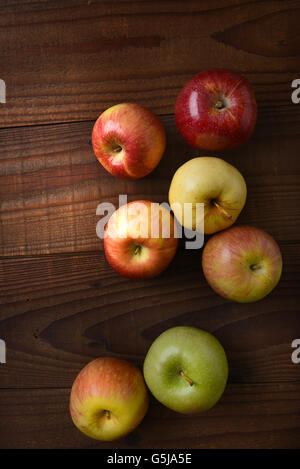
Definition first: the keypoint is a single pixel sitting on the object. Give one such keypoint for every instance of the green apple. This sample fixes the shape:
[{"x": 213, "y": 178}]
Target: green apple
[
  {"x": 186, "y": 369},
  {"x": 210, "y": 181}
]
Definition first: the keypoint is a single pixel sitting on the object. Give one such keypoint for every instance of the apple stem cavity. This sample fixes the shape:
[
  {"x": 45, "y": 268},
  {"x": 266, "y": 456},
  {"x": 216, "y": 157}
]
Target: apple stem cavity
[
  {"x": 222, "y": 210},
  {"x": 219, "y": 105},
  {"x": 186, "y": 378},
  {"x": 117, "y": 148}
]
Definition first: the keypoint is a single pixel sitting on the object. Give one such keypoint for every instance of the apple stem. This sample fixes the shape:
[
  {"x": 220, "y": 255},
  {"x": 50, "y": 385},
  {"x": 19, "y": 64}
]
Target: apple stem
[
  {"x": 222, "y": 210},
  {"x": 186, "y": 378},
  {"x": 255, "y": 267},
  {"x": 137, "y": 250},
  {"x": 107, "y": 414}
]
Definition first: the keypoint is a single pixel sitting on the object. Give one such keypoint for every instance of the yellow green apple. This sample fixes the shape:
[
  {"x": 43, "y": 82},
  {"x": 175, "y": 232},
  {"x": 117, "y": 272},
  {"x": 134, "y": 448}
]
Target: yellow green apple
[
  {"x": 210, "y": 181},
  {"x": 186, "y": 369},
  {"x": 108, "y": 399}
]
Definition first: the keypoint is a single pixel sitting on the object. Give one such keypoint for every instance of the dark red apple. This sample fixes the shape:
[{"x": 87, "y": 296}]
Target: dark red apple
[{"x": 216, "y": 110}]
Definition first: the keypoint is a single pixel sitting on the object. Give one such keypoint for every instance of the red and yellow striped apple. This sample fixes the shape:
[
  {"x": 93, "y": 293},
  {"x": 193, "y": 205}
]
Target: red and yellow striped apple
[
  {"x": 242, "y": 263},
  {"x": 108, "y": 399},
  {"x": 129, "y": 140},
  {"x": 140, "y": 239},
  {"x": 216, "y": 110},
  {"x": 213, "y": 182}
]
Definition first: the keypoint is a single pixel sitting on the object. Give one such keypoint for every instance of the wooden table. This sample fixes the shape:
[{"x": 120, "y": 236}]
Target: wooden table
[{"x": 63, "y": 63}]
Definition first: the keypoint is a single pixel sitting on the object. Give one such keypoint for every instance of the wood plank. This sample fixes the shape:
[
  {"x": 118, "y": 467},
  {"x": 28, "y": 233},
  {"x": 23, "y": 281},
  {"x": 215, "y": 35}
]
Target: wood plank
[
  {"x": 58, "y": 312},
  {"x": 248, "y": 416},
  {"x": 51, "y": 184},
  {"x": 64, "y": 61},
  {"x": 68, "y": 60}
]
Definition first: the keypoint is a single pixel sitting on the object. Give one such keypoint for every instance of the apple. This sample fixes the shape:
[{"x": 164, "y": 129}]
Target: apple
[
  {"x": 128, "y": 140},
  {"x": 140, "y": 239},
  {"x": 242, "y": 264},
  {"x": 186, "y": 369},
  {"x": 212, "y": 182},
  {"x": 108, "y": 399},
  {"x": 216, "y": 110}
]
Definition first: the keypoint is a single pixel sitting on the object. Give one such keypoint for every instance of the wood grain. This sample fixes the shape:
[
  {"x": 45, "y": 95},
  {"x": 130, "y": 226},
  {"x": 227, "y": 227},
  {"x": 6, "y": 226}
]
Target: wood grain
[
  {"x": 68, "y": 60},
  {"x": 61, "y": 305},
  {"x": 51, "y": 185},
  {"x": 255, "y": 416},
  {"x": 59, "y": 312}
]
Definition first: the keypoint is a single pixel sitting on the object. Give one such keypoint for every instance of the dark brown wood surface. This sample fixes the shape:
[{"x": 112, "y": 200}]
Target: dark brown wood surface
[{"x": 61, "y": 305}]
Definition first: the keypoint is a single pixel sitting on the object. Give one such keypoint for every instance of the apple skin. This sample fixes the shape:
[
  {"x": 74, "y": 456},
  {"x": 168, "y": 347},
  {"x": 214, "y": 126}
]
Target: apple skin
[
  {"x": 129, "y": 247},
  {"x": 108, "y": 399},
  {"x": 242, "y": 264},
  {"x": 197, "y": 354},
  {"x": 213, "y": 182},
  {"x": 129, "y": 140},
  {"x": 205, "y": 125}
]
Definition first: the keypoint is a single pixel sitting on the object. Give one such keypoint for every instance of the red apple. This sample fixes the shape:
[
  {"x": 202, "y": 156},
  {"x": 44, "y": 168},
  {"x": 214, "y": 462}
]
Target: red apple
[
  {"x": 242, "y": 263},
  {"x": 128, "y": 140},
  {"x": 140, "y": 239},
  {"x": 216, "y": 110},
  {"x": 108, "y": 399}
]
